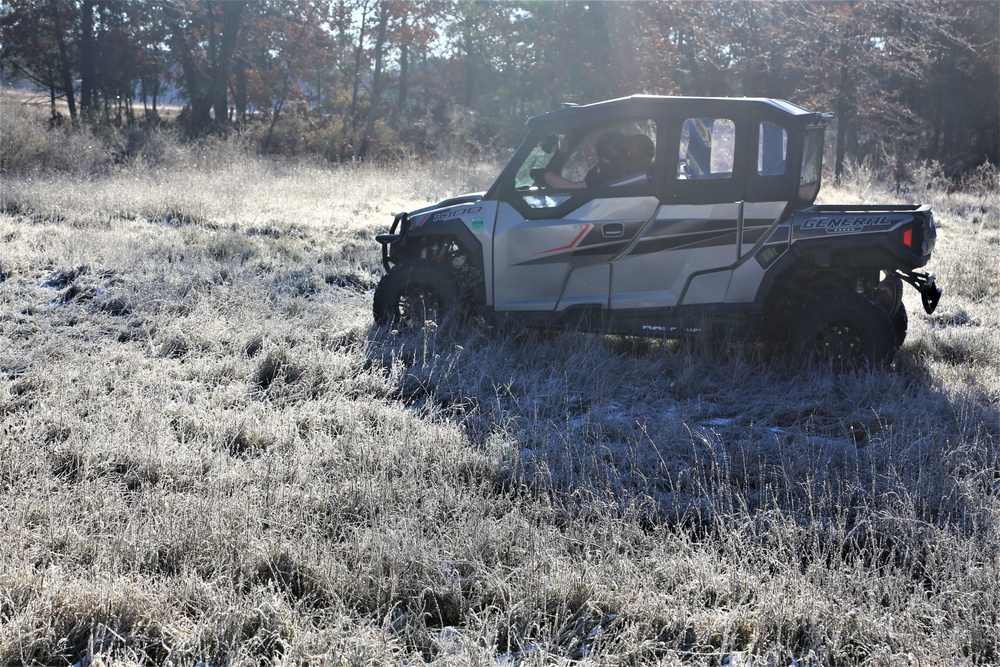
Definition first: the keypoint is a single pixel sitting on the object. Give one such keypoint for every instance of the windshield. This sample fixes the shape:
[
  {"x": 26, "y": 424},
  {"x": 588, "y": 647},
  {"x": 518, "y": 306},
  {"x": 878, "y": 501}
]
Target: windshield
[{"x": 538, "y": 158}]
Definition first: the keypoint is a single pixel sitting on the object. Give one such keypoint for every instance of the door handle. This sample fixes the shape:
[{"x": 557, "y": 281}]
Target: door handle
[{"x": 613, "y": 230}]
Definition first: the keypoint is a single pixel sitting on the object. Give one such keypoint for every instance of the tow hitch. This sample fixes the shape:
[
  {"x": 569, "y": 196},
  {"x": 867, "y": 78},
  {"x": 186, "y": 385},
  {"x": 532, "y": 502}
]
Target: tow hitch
[{"x": 930, "y": 293}]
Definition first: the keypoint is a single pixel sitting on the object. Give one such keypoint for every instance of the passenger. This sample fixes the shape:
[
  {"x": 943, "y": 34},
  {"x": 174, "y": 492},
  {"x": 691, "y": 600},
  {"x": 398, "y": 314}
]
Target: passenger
[{"x": 640, "y": 152}]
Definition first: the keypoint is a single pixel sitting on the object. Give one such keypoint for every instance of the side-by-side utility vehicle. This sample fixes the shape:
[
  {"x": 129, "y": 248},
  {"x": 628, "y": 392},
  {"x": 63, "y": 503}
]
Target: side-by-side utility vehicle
[{"x": 668, "y": 216}]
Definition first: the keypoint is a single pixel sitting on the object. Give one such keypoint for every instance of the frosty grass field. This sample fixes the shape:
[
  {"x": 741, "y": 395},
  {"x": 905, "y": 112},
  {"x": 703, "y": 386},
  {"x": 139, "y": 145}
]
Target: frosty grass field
[{"x": 209, "y": 455}]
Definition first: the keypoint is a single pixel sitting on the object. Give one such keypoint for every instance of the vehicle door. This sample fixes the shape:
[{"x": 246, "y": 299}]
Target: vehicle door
[
  {"x": 686, "y": 255},
  {"x": 553, "y": 242},
  {"x": 771, "y": 185}
]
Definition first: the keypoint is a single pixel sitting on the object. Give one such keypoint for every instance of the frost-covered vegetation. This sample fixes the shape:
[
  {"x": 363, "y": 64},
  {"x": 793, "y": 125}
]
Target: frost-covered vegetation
[{"x": 209, "y": 454}]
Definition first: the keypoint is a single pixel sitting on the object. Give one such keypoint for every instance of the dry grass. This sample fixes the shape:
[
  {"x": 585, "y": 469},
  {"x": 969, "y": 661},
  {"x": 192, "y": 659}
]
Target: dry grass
[{"x": 210, "y": 456}]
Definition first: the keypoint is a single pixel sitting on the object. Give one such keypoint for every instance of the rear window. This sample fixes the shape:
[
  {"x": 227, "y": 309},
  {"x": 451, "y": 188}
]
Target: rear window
[{"x": 812, "y": 157}]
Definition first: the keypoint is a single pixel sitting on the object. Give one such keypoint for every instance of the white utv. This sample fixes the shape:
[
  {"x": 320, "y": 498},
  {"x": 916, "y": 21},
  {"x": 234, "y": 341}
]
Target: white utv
[{"x": 668, "y": 216}]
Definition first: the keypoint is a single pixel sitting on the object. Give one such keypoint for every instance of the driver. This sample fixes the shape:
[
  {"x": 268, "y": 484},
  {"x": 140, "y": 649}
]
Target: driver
[{"x": 612, "y": 163}]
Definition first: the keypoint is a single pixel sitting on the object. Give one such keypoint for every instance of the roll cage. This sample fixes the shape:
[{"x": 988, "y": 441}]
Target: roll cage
[{"x": 798, "y": 183}]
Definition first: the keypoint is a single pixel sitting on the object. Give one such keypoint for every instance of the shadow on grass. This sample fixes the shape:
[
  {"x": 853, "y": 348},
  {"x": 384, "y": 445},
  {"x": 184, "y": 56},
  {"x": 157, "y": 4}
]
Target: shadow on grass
[{"x": 703, "y": 434}]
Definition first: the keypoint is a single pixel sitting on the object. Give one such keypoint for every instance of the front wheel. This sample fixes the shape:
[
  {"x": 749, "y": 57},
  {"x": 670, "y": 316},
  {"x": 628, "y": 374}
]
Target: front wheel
[
  {"x": 415, "y": 292},
  {"x": 845, "y": 330}
]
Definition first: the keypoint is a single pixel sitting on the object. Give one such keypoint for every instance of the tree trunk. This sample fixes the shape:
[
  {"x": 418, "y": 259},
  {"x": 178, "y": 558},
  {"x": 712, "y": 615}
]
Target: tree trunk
[
  {"x": 53, "y": 112},
  {"x": 356, "y": 77},
  {"x": 200, "y": 117},
  {"x": 471, "y": 61},
  {"x": 65, "y": 72},
  {"x": 842, "y": 123},
  {"x": 88, "y": 59},
  {"x": 845, "y": 107},
  {"x": 208, "y": 92},
  {"x": 276, "y": 112},
  {"x": 240, "y": 94},
  {"x": 404, "y": 75},
  {"x": 383, "y": 22},
  {"x": 232, "y": 16}
]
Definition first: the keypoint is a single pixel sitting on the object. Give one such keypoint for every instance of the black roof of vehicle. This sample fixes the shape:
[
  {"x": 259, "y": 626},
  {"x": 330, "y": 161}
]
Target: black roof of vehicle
[{"x": 650, "y": 102}]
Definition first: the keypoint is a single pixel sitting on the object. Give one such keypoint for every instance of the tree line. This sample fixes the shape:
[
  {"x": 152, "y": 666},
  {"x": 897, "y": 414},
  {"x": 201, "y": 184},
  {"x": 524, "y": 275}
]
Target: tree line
[{"x": 908, "y": 79}]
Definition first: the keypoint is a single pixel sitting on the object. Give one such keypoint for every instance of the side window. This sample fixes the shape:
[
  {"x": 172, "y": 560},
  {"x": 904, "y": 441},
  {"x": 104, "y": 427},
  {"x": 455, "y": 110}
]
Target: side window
[
  {"x": 772, "y": 149},
  {"x": 707, "y": 148}
]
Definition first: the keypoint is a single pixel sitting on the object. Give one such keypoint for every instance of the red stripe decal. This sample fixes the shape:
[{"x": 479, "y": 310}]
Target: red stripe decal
[{"x": 586, "y": 228}]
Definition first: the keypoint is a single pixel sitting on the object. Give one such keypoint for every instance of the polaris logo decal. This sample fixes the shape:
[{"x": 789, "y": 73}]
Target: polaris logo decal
[
  {"x": 845, "y": 224},
  {"x": 450, "y": 214},
  {"x": 656, "y": 328}
]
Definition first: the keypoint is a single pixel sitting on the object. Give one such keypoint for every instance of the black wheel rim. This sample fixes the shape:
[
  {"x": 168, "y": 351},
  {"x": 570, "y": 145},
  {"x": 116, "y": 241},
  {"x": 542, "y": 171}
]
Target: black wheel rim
[
  {"x": 841, "y": 342},
  {"x": 416, "y": 305}
]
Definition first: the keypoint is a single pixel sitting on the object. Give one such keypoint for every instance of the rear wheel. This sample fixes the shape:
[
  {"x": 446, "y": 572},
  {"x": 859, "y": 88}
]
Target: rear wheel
[
  {"x": 845, "y": 330},
  {"x": 415, "y": 292},
  {"x": 900, "y": 322}
]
